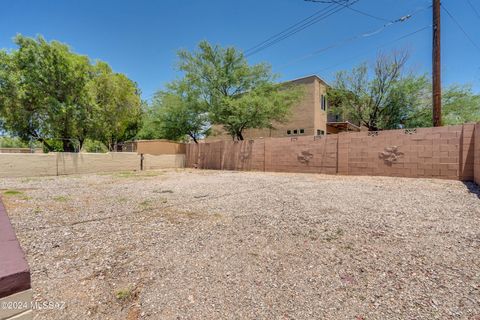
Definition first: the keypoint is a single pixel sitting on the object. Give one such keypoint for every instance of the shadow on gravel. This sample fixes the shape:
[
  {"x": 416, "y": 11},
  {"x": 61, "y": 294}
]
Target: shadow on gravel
[{"x": 473, "y": 188}]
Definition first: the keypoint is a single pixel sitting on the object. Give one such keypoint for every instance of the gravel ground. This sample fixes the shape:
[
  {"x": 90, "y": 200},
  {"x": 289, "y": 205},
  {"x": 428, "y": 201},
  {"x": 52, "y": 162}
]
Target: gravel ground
[{"x": 191, "y": 244}]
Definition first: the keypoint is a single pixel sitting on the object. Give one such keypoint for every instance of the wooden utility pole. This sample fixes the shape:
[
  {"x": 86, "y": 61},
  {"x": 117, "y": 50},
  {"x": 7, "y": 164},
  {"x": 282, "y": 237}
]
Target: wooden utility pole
[{"x": 436, "y": 65}]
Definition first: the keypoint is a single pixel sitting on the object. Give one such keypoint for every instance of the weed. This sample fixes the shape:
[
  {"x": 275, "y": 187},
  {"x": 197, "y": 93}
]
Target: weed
[
  {"x": 123, "y": 294},
  {"x": 163, "y": 191},
  {"x": 61, "y": 198},
  {"x": 12, "y": 193}
]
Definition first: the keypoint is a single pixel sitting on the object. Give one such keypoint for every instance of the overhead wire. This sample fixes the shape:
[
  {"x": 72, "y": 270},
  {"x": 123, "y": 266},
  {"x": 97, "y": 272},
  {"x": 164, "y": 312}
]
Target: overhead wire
[
  {"x": 356, "y": 37},
  {"x": 461, "y": 28},
  {"x": 300, "y": 26}
]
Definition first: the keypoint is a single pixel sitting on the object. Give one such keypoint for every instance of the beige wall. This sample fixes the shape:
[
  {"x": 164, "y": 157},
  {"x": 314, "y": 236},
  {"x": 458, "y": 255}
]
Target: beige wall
[
  {"x": 158, "y": 147},
  {"x": 51, "y": 164},
  {"x": 28, "y": 164},
  {"x": 306, "y": 114},
  {"x": 75, "y": 163},
  {"x": 151, "y": 162}
]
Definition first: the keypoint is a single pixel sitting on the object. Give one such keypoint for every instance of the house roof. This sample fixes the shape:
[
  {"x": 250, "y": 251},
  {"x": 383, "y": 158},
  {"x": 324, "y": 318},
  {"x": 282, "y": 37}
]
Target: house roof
[{"x": 307, "y": 77}]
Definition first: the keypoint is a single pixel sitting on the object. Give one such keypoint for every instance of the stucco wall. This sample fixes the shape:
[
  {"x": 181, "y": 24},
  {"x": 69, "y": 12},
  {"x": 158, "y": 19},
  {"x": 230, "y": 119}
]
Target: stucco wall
[
  {"x": 51, "y": 164},
  {"x": 151, "y": 162},
  {"x": 24, "y": 165},
  {"x": 159, "y": 147}
]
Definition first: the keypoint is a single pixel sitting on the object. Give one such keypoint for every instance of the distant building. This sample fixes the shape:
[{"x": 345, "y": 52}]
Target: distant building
[{"x": 309, "y": 117}]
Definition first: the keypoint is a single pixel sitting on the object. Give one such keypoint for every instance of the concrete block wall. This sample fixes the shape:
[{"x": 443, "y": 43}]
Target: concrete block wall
[
  {"x": 442, "y": 152},
  {"x": 302, "y": 154},
  {"x": 477, "y": 153},
  {"x": 423, "y": 152}
]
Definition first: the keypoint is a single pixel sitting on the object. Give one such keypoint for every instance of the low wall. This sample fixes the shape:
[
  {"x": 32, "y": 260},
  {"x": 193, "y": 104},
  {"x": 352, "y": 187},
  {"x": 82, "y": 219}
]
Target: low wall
[
  {"x": 52, "y": 164},
  {"x": 164, "y": 161},
  {"x": 442, "y": 152},
  {"x": 477, "y": 154},
  {"x": 28, "y": 164},
  {"x": 15, "y": 287},
  {"x": 76, "y": 163},
  {"x": 159, "y": 147}
]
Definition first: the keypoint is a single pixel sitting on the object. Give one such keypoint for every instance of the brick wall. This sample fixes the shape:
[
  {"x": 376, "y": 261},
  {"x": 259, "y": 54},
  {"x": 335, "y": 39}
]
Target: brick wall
[{"x": 444, "y": 152}]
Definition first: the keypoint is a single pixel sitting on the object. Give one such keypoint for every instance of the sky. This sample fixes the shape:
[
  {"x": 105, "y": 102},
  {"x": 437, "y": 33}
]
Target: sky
[{"x": 141, "y": 38}]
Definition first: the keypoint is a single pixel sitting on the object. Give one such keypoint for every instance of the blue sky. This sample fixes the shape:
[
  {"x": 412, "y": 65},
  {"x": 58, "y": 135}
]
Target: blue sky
[{"x": 140, "y": 38}]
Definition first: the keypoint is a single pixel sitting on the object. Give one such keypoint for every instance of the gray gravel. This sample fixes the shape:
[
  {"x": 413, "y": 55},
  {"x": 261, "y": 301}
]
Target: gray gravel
[{"x": 191, "y": 244}]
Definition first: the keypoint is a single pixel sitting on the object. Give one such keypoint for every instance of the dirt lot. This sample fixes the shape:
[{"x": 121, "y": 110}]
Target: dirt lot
[{"x": 205, "y": 244}]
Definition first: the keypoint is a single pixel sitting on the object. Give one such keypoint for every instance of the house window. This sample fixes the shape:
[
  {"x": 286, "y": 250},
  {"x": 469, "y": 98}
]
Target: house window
[
  {"x": 320, "y": 132},
  {"x": 289, "y": 132},
  {"x": 323, "y": 101},
  {"x": 302, "y": 131},
  {"x": 295, "y": 131}
]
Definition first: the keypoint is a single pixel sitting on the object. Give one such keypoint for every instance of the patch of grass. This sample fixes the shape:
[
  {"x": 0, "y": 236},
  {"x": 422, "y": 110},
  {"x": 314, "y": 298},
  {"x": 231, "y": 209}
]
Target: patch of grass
[
  {"x": 124, "y": 174},
  {"x": 12, "y": 192},
  {"x": 163, "y": 191},
  {"x": 61, "y": 198},
  {"x": 37, "y": 210},
  {"x": 123, "y": 294},
  {"x": 145, "y": 203}
]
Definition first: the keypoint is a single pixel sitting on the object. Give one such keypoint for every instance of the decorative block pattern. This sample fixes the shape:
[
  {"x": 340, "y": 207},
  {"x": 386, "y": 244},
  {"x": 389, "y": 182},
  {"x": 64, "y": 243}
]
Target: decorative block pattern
[{"x": 442, "y": 152}]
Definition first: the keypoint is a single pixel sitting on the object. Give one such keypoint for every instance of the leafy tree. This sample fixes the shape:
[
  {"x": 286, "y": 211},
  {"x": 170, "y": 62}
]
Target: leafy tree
[
  {"x": 459, "y": 105},
  {"x": 42, "y": 92},
  {"x": 177, "y": 113},
  {"x": 118, "y": 106},
  {"x": 373, "y": 101},
  {"x": 52, "y": 95},
  {"x": 237, "y": 96}
]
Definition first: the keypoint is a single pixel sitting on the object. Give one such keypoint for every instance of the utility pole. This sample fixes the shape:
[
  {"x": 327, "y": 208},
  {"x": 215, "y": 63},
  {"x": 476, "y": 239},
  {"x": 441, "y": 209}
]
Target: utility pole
[{"x": 436, "y": 66}]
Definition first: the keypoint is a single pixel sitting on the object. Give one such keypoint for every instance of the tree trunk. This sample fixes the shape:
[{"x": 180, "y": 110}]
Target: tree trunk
[
  {"x": 68, "y": 146},
  {"x": 240, "y": 136},
  {"x": 194, "y": 139}
]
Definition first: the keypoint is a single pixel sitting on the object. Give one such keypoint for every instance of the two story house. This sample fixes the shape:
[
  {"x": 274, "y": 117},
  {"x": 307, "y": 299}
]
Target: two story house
[{"x": 309, "y": 116}]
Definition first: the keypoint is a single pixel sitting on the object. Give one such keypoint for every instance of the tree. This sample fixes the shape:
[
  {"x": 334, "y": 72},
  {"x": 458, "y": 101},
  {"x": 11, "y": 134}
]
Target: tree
[
  {"x": 237, "y": 96},
  {"x": 118, "y": 106},
  {"x": 42, "y": 92},
  {"x": 176, "y": 113},
  {"x": 377, "y": 102},
  {"x": 459, "y": 105},
  {"x": 52, "y": 95}
]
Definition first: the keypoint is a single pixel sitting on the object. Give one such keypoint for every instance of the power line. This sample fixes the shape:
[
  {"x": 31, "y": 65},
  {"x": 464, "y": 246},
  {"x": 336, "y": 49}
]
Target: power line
[
  {"x": 321, "y": 11},
  {"x": 294, "y": 30},
  {"x": 460, "y": 27},
  {"x": 376, "y": 48},
  {"x": 350, "y": 8},
  {"x": 359, "y": 36},
  {"x": 474, "y": 9},
  {"x": 324, "y": 14}
]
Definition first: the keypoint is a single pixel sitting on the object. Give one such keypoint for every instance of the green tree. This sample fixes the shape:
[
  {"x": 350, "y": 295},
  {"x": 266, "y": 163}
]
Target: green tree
[
  {"x": 177, "y": 113},
  {"x": 237, "y": 96},
  {"x": 118, "y": 106},
  {"x": 459, "y": 105},
  {"x": 374, "y": 99},
  {"x": 52, "y": 95},
  {"x": 42, "y": 92}
]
